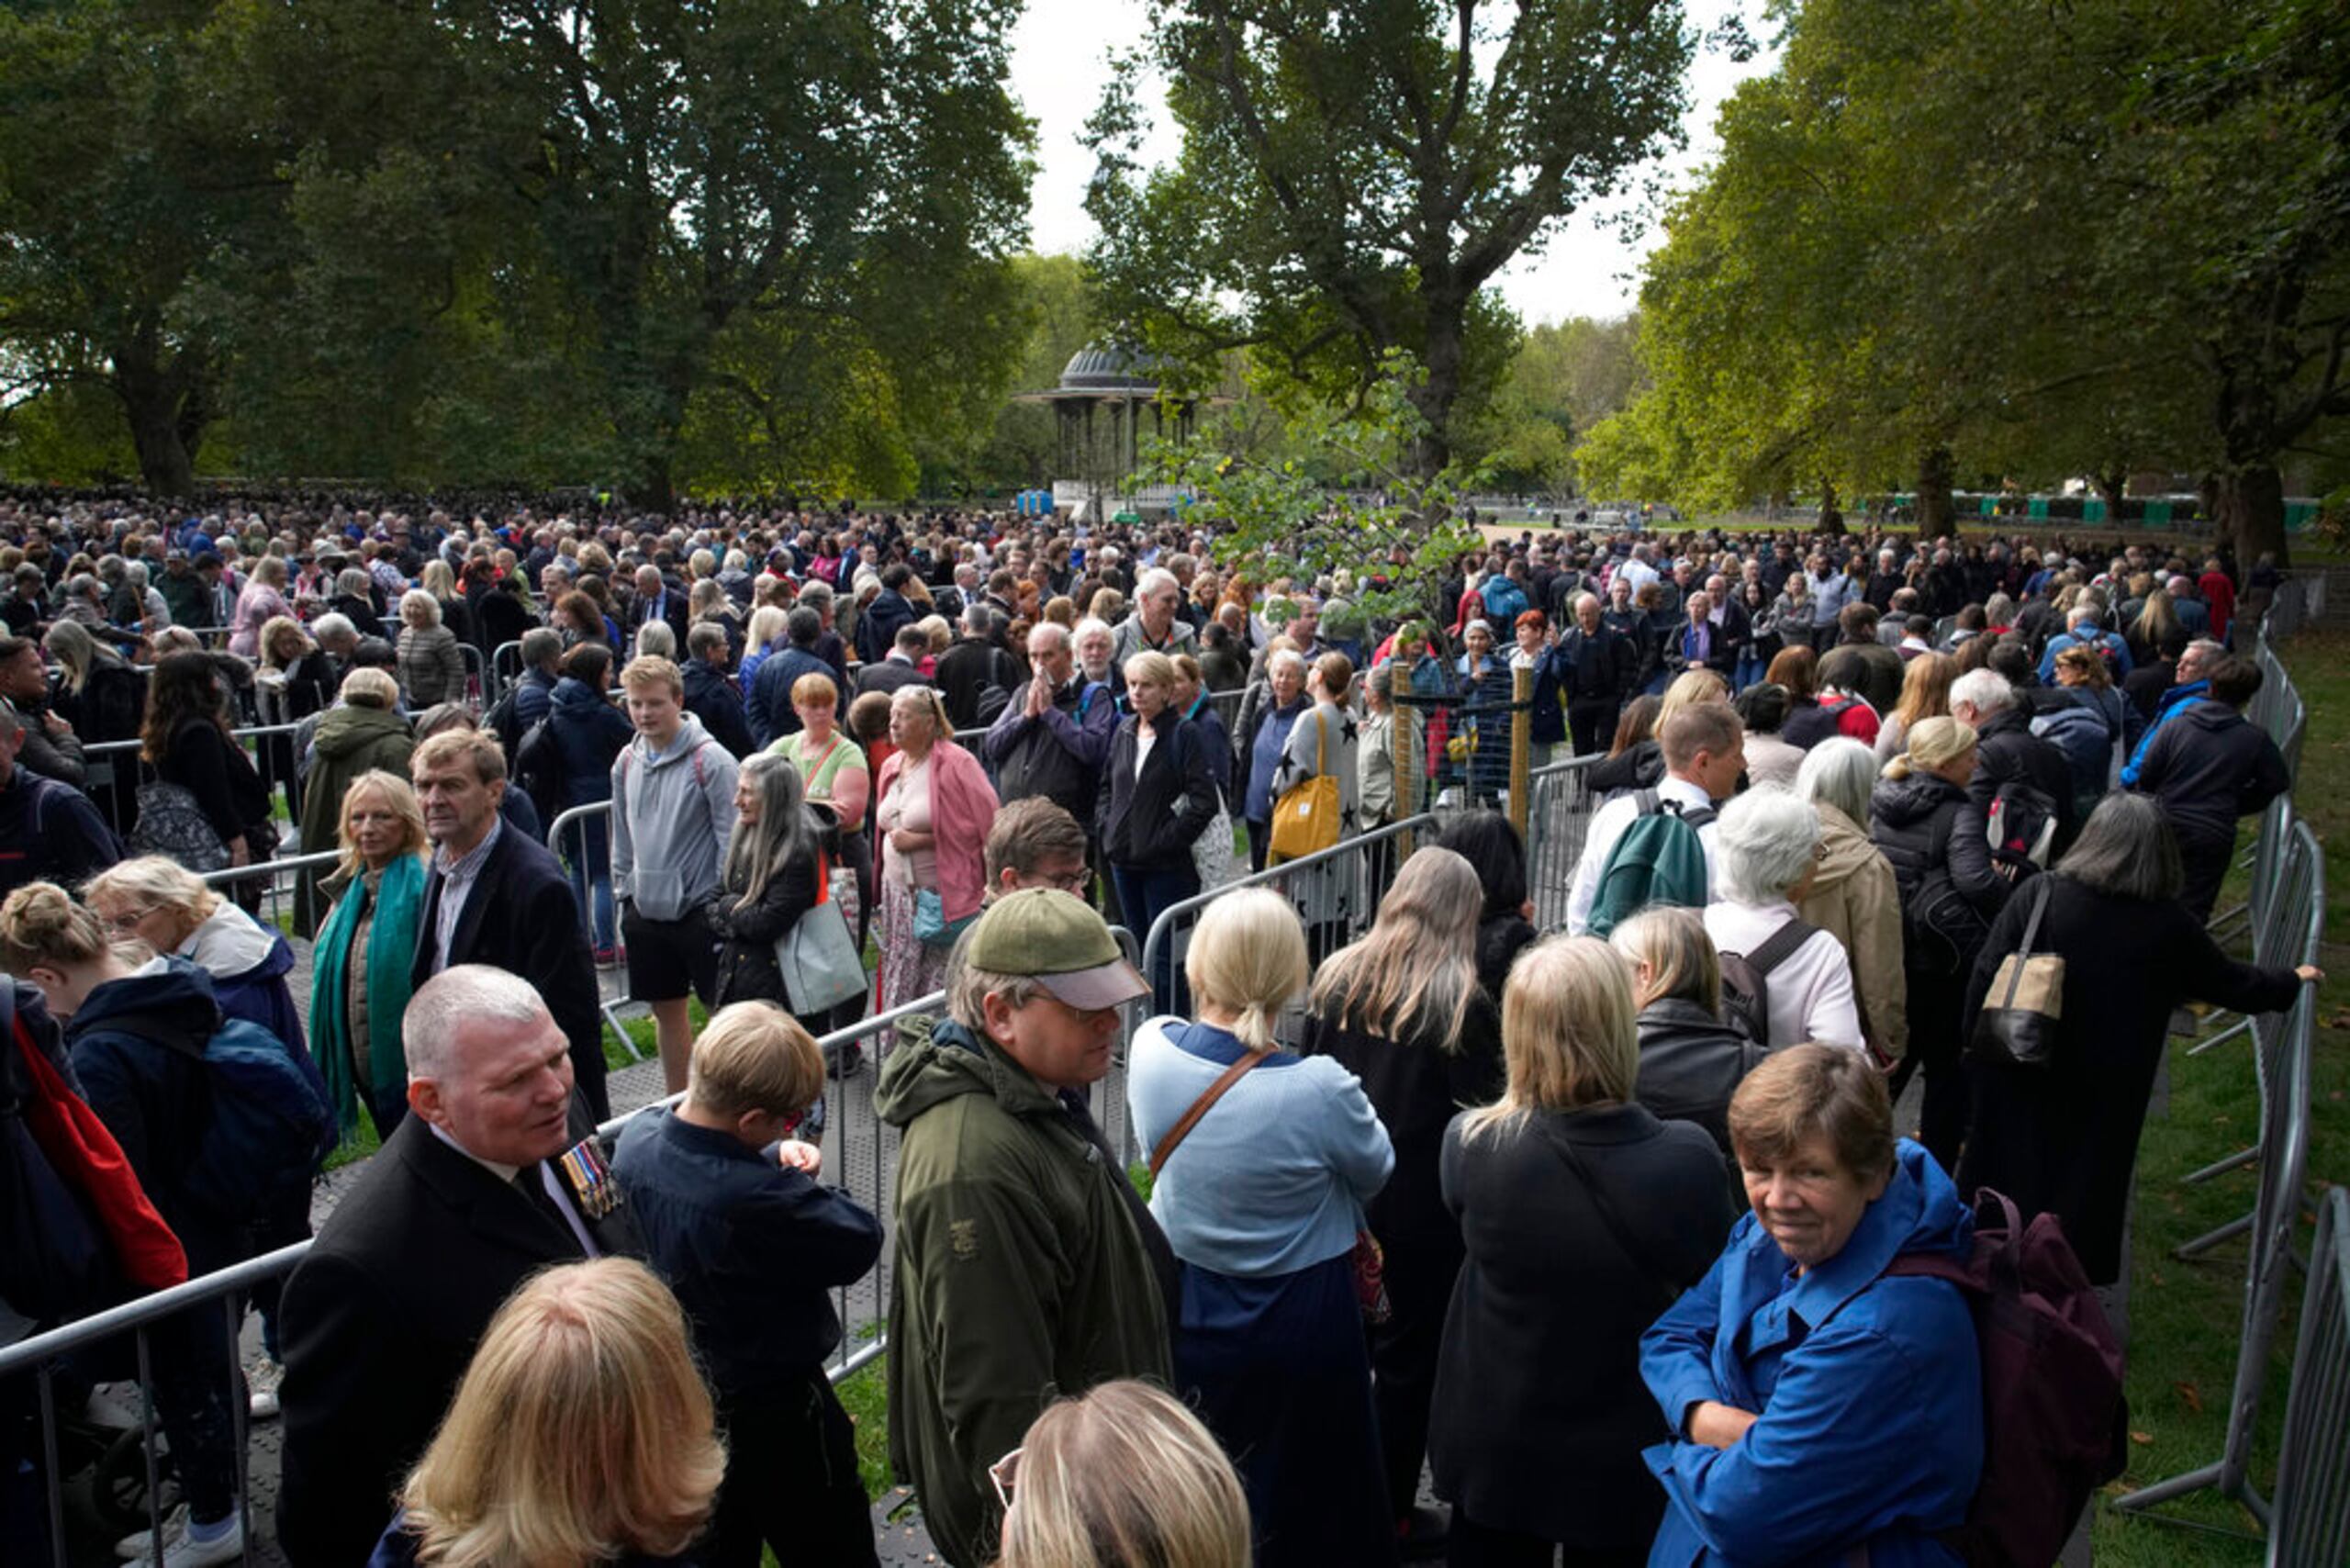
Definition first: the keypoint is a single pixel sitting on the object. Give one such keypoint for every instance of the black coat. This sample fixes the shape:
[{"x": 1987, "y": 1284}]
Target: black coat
[
  {"x": 746, "y": 966},
  {"x": 2062, "y": 1140},
  {"x": 1149, "y": 822},
  {"x": 381, "y": 1318},
  {"x": 1691, "y": 1063},
  {"x": 710, "y": 696},
  {"x": 1603, "y": 666},
  {"x": 522, "y": 917},
  {"x": 2209, "y": 765},
  {"x": 1416, "y": 1089},
  {"x": 1540, "y": 1413},
  {"x": 1925, "y": 821}
]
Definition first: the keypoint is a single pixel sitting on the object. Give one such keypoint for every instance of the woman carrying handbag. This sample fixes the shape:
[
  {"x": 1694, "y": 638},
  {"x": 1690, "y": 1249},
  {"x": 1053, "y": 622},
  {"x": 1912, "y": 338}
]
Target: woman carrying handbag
[{"x": 774, "y": 880}]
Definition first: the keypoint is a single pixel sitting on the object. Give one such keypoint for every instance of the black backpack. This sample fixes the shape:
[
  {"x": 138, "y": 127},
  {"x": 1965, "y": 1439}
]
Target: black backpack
[
  {"x": 1942, "y": 931},
  {"x": 1746, "y": 989},
  {"x": 538, "y": 770},
  {"x": 505, "y": 721}
]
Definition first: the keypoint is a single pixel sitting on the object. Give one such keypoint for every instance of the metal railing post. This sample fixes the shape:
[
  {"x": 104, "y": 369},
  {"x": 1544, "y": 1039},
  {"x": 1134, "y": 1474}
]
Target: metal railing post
[{"x": 2310, "y": 1522}]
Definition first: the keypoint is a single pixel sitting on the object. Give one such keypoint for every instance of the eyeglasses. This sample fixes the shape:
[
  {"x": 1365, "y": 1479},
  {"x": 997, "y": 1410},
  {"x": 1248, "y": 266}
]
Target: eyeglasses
[
  {"x": 1005, "y": 1474},
  {"x": 126, "y": 923},
  {"x": 1067, "y": 881}
]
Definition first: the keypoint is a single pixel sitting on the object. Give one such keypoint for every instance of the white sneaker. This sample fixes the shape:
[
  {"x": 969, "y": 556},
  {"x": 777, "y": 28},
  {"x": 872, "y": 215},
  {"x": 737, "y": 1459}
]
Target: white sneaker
[
  {"x": 141, "y": 1541},
  {"x": 189, "y": 1552},
  {"x": 261, "y": 1379}
]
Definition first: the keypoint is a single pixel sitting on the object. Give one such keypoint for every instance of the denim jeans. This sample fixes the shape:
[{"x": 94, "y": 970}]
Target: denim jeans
[
  {"x": 586, "y": 853},
  {"x": 1145, "y": 894},
  {"x": 1750, "y": 670}
]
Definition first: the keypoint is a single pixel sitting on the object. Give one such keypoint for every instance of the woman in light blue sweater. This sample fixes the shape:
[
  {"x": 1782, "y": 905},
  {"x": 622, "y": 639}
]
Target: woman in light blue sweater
[{"x": 1262, "y": 1199}]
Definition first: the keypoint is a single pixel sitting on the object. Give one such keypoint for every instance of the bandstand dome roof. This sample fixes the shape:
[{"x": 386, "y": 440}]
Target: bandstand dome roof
[{"x": 1099, "y": 368}]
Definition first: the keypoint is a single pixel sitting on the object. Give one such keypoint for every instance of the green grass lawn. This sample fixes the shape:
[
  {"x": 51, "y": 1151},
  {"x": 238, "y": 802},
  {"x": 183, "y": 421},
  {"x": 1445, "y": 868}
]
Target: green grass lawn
[{"x": 2186, "y": 1316}]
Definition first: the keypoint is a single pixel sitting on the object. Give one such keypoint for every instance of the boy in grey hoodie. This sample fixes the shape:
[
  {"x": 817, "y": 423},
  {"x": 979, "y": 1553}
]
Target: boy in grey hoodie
[{"x": 673, "y": 811}]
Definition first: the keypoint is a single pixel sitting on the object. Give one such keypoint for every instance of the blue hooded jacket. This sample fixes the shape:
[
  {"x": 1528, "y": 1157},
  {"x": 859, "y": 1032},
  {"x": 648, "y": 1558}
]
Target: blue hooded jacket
[
  {"x": 1869, "y": 1392},
  {"x": 2177, "y": 701}
]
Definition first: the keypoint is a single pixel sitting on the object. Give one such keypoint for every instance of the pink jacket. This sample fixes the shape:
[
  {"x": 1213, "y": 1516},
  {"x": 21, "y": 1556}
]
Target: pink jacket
[{"x": 962, "y": 808}]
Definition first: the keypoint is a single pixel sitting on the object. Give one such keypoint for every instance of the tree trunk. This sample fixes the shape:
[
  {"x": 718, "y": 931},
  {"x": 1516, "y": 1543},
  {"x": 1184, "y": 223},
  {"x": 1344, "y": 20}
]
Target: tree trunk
[
  {"x": 1441, "y": 351},
  {"x": 1831, "y": 521},
  {"x": 2109, "y": 487},
  {"x": 2253, "y": 514},
  {"x": 1936, "y": 470},
  {"x": 166, "y": 417}
]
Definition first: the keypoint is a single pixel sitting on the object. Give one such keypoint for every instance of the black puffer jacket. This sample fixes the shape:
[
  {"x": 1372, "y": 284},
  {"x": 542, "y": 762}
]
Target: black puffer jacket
[
  {"x": 1148, "y": 822},
  {"x": 1925, "y": 822},
  {"x": 1691, "y": 1063}
]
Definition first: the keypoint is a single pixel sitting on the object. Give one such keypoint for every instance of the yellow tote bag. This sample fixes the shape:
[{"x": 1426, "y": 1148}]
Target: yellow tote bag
[{"x": 1306, "y": 819}]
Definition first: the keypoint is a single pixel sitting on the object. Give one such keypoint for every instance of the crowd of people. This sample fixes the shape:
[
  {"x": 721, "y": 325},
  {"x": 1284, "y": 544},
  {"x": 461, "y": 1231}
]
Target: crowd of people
[{"x": 1429, "y": 1193}]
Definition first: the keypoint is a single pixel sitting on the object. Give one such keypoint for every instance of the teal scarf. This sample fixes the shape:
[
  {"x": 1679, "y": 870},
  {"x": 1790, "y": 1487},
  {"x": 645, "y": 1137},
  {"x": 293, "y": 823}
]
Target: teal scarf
[{"x": 391, "y": 948}]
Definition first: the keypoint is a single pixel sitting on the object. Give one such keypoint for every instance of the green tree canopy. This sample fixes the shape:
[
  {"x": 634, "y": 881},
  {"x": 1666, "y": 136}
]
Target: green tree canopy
[{"x": 1352, "y": 177}]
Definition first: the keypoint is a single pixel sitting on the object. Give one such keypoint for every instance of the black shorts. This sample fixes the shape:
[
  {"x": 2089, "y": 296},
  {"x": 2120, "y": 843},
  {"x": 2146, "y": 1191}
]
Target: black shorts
[{"x": 668, "y": 957}]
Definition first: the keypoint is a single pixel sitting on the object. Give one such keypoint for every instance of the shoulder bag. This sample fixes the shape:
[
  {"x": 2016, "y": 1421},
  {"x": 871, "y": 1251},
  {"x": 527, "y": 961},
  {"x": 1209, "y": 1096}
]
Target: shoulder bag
[
  {"x": 818, "y": 956},
  {"x": 171, "y": 824},
  {"x": 1366, "y": 1262},
  {"x": 1306, "y": 819},
  {"x": 2025, "y": 1006}
]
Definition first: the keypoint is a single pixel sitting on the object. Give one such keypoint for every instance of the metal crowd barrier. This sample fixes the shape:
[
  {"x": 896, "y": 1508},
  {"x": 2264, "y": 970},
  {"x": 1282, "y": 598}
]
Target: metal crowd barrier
[
  {"x": 112, "y": 771},
  {"x": 860, "y": 1153},
  {"x": 2276, "y": 1210},
  {"x": 506, "y": 664},
  {"x": 2304, "y": 880},
  {"x": 1558, "y": 815},
  {"x": 2281, "y": 886},
  {"x": 568, "y": 835},
  {"x": 2311, "y": 1522}
]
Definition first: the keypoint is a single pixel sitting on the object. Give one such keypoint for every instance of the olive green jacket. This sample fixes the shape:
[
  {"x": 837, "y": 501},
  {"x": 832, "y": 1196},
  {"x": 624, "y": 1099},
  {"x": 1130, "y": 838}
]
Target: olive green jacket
[{"x": 1020, "y": 1275}]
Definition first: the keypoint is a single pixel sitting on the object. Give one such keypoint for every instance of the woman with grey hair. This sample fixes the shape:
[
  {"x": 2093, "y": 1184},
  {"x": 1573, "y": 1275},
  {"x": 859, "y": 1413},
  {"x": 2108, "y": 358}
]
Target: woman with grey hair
[
  {"x": 1266, "y": 734},
  {"x": 430, "y": 667},
  {"x": 1766, "y": 852},
  {"x": 1854, "y": 896},
  {"x": 2061, "y": 1139}
]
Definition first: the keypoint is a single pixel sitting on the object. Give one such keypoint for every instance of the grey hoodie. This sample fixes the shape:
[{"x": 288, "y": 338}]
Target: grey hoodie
[{"x": 671, "y": 817}]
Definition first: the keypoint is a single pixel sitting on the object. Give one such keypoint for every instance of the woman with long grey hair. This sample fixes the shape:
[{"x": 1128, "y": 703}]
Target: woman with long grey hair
[{"x": 771, "y": 878}]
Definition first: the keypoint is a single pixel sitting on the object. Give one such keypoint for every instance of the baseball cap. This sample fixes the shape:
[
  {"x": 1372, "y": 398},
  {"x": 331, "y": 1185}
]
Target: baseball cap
[{"x": 1061, "y": 940}]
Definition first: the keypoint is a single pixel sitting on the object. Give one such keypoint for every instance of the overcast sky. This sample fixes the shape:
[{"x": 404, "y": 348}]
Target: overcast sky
[{"x": 1056, "y": 67}]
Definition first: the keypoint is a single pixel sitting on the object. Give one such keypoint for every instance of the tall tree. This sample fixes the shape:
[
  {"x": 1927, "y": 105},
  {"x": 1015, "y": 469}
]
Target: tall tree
[
  {"x": 138, "y": 196},
  {"x": 1351, "y": 177}
]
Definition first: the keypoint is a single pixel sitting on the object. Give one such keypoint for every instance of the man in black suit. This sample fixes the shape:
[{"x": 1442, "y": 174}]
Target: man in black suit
[
  {"x": 902, "y": 668},
  {"x": 495, "y": 1176},
  {"x": 498, "y": 897},
  {"x": 657, "y": 599}
]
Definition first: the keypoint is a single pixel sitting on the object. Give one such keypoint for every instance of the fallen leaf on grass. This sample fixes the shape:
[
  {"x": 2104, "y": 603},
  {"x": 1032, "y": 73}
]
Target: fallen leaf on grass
[
  {"x": 2141, "y": 1439},
  {"x": 2187, "y": 1390}
]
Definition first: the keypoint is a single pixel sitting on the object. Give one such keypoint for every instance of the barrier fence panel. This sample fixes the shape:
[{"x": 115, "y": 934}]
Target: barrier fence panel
[
  {"x": 581, "y": 838},
  {"x": 2312, "y": 1508},
  {"x": 2276, "y": 1210},
  {"x": 1559, "y": 809},
  {"x": 2304, "y": 877},
  {"x": 115, "y": 771},
  {"x": 506, "y": 664}
]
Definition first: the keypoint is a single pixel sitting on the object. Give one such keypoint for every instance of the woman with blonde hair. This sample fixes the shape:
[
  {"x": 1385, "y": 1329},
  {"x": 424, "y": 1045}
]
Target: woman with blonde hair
[
  {"x": 582, "y": 1436},
  {"x": 161, "y": 903},
  {"x": 1157, "y": 796},
  {"x": 367, "y": 950},
  {"x": 1582, "y": 1216},
  {"x": 1262, "y": 1161},
  {"x": 1402, "y": 1011},
  {"x": 431, "y": 669},
  {"x": 1123, "y": 1477},
  {"x": 1690, "y": 688},
  {"x": 1925, "y": 693}
]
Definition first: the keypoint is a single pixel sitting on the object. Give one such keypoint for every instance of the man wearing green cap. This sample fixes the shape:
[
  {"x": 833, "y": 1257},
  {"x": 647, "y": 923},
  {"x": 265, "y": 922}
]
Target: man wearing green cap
[{"x": 1026, "y": 1267}]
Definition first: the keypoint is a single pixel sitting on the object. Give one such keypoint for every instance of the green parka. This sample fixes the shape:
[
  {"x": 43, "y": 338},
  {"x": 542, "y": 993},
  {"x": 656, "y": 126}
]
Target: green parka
[{"x": 1020, "y": 1275}]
